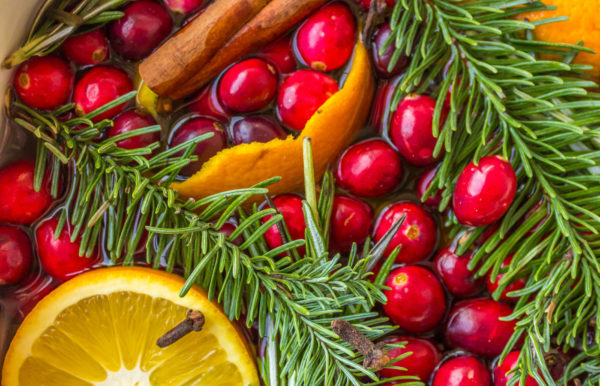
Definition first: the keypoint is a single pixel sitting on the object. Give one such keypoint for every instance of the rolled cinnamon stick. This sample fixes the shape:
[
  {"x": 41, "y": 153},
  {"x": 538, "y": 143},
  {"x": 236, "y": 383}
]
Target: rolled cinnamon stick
[{"x": 186, "y": 52}]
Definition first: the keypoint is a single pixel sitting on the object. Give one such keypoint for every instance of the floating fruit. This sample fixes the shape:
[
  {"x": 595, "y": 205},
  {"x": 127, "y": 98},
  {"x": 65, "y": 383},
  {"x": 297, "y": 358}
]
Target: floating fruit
[
  {"x": 144, "y": 25},
  {"x": 502, "y": 370},
  {"x": 44, "y": 82},
  {"x": 423, "y": 183},
  {"x": 20, "y": 203},
  {"x": 382, "y": 60},
  {"x": 109, "y": 322},
  {"x": 331, "y": 129},
  {"x": 227, "y": 229},
  {"x": 256, "y": 129},
  {"x": 99, "y": 86},
  {"x": 16, "y": 255},
  {"x": 484, "y": 192},
  {"x": 207, "y": 103},
  {"x": 280, "y": 54},
  {"x": 417, "y": 235},
  {"x": 453, "y": 269},
  {"x": 422, "y": 361},
  {"x": 132, "y": 120},
  {"x": 290, "y": 207},
  {"x": 516, "y": 285},
  {"x": 381, "y": 101},
  {"x": 184, "y": 6},
  {"x": 415, "y": 300},
  {"x": 370, "y": 168},
  {"x": 248, "y": 85},
  {"x": 88, "y": 48},
  {"x": 351, "y": 222},
  {"x": 462, "y": 371}
]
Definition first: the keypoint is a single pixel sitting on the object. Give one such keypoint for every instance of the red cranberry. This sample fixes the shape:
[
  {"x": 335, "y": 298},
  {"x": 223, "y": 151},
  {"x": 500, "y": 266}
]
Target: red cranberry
[
  {"x": 326, "y": 39},
  {"x": 382, "y": 61},
  {"x": 487, "y": 233},
  {"x": 484, "y": 192},
  {"x": 421, "y": 363},
  {"x": 208, "y": 104},
  {"x": 416, "y": 300},
  {"x": 367, "y": 3},
  {"x": 502, "y": 370},
  {"x": 205, "y": 149},
  {"x": 453, "y": 270},
  {"x": 20, "y": 203},
  {"x": 280, "y": 54},
  {"x": 369, "y": 168},
  {"x": 227, "y": 229},
  {"x": 474, "y": 325},
  {"x": 248, "y": 85},
  {"x": 290, "y": 207},
  {"x": 412, "y": 129},
  {"x": 417, "y": 234},
  {"x": 462, "y": 371},
  {"x": 379, "y": 108},
  {"x": 31, "y": 291},
  {"x": 44, "y": 82},
  {"x": 88, "y": 48},
  {"x": 144, "y": 25},
  {"x": 423, "y": 183},
  {"x": 132, "y": 120},
  {"x": 60, "y": 257},
  {"x": 184, "y": 6},
  {"x": 256, "y": 129},
  {"x": 301, "y": 94},
  {"x": 351, "y": 222},
  {"x": 516, "y": 285},
  {"x": 99, "y": 86},
  {"x": 15, "y": 254}
]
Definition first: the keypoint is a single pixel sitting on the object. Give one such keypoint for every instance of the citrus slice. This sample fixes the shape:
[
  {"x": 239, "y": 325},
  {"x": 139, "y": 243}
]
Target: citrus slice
[
  {"x": 101, "y": 327},
  {"x": 332, "y": 128}
]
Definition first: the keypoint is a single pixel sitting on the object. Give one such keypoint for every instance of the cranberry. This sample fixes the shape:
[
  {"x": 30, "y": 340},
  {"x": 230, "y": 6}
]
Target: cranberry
[
  {"x": 484, "y": 192},
  {"x": 487, "y": 233},
  {"x": 382, "y": 61},
  {"x": 99, "y": 86},
  {"x": 369, "y": 168},
  {"x": 20, "y": 203},
  {"x": 412, "y": 129},
  {"x": 15, "y": 254},
  {"x": 290, "y": 207},
  {"x": 516, "y": 285},
  {"x": 326, "y": 39},
  {"x": 31, "y": 291},
  {"x": 227, "y": 229},
  {"x": 367, "y": 3},
  {"x": 208, "y": 104},
  {"x": 301, "y": 94},
  {"x": 421, "y": 363},
  {"x": 144, "y": 25},
  {"x": 44, "y": 82},
  {"x": 280, "y": 54},
  {"x": 132, "y": 120},
  {"x": 205, "y": 149},
  {"x": 256, "y": 129},
  {"x": 417, "y": 234},
  {"x": 351, "y": 222},
  {"x": 248, "y": 85},
  {"x": 60, "y": 257},
  {"x": 462, "y": 371},
  {"x": 453, "y": 270},
  {"x": 416, "y": 300},
  {"x": 423, "y": 183},
  {"x": 88, "y": 48},
  {"x": 184, "y": 6},
  {"x": 379, "y": 108},
  {"x": 502, "y": 370},
  {"x": 474, "y": 325}
]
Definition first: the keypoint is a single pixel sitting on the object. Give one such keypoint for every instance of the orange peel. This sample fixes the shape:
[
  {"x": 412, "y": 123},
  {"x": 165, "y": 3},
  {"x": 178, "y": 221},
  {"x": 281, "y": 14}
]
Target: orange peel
[{"x": 331, "y": 129}]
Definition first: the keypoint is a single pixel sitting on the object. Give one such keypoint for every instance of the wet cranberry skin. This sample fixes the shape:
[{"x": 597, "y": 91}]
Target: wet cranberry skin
[
  {"x": 280, "y": 54},
  {"x": 248, "y": 86},
  {"x": 143, "y": 27},
  {"x": 99, "y": 86},
  {"x": 44, "y": 82},
  {"x": 462, "y": 371},
  {"x": 453, "y": 270},
  {"x": 379, "y": 108},
  {"x": 411, "y": 129},
  {"x": 473, "y": 325},
  {"x": 60, "y": 257},
  {"x": 132, "y": 120},
  {"x": 501, "y": 376},
  {"x": 227, "y": 229},
  {"x": 423, "y": 183},
  {"x": 205, "y": 149},
  {"x": 207, "y": 103},
  {"x": 417, "y": 234},
  {"x": 300, "y": 96},
  {"x": 290, "y": 207},
  {"x": 382, "y": 61},
  {"x": 184, "y": 6},
  {"x": 483, "y": 193},
  {"x": 370, "y": 168},
  {"x": 516, "y": 285},
  {"x": 90, "y": 48},
  {"x": 20, "y": 203},
  {"x": 421, "y": 363},
  {"x": 16, "y": 255},
  {"x": 416, "y": 300},
  {"x": 326, "y": 39},
  {"x": 256, "y": 129},
  {"x": 351, "y": 222}
]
